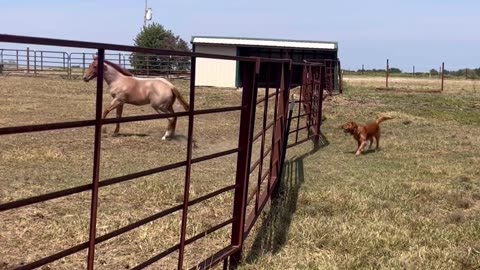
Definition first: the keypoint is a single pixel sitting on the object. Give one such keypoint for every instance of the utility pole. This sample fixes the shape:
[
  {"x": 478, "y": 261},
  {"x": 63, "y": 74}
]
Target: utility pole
[{"x": 147, "y": 15}]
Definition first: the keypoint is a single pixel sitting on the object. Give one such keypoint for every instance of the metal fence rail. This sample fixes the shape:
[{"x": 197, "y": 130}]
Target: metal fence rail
[
  {"x": 73, "y": 65},
  {"x": 241, "y": 220}
]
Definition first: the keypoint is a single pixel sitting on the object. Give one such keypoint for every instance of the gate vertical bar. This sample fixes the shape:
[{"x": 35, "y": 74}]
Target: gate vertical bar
[
  {"x": 274, "y": 128},
  {"x": 302, "y": 86},
  {"x": 17, "y": 60},
  {"x": 281, "y": 126},
  {"x": 41, "y": 61},
  {"x": 247, "y": 121},
  {"x": 188, "y": 170},
  {"x": 262, "y": 146},
  {"x": 96, "y": 160}
]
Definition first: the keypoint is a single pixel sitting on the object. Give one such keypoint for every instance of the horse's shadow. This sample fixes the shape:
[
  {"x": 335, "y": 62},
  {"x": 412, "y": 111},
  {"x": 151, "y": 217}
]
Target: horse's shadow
[
  {"x": 130, "y": 135},
  {"x": 273, "y": 232}
]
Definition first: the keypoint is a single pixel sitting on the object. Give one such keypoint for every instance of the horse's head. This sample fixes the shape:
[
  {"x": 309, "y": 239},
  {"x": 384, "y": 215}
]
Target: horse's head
[{"x": 91, "y": 72}]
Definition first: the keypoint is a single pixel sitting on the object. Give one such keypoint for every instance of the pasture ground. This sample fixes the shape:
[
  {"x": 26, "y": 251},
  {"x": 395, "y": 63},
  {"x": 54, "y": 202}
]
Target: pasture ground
[{"x": 415, "y": 204}]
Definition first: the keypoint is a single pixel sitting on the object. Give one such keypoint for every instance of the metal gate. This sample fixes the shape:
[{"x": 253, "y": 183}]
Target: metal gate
[{"x": 255, "y": 181}]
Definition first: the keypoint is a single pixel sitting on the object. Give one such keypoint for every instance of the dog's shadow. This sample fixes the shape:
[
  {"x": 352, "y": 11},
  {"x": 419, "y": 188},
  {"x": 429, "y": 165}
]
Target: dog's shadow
[{"x": 365, "y": 152}]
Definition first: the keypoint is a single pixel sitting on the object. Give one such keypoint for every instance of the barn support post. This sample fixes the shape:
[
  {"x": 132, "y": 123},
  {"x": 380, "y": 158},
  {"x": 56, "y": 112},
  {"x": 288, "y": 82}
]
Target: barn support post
[
  {"x": 247, "y": 121},
  {"x": 340, "y": 78},
  {"x": 96, "y": 161}
]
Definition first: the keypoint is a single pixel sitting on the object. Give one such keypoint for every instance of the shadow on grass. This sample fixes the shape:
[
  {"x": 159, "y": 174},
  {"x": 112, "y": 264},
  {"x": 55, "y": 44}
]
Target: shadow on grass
[{"x": 272, "y": 235}]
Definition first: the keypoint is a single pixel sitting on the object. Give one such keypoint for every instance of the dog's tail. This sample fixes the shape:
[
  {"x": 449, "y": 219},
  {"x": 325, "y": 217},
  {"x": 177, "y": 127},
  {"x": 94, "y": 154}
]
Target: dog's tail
[{"x": 382, "y": 118}]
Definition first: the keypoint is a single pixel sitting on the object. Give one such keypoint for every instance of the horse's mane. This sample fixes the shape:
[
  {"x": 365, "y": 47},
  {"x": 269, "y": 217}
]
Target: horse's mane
[{"x": 119, "y": 68}]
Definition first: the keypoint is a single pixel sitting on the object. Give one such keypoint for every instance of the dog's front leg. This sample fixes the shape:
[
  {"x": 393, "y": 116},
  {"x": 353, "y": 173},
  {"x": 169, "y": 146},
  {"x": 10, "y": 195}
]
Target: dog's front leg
[{"x": 361, "y": 147}]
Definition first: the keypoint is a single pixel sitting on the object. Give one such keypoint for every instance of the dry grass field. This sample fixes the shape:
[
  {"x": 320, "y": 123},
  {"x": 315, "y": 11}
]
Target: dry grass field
[{"x": 413, "y": 205}]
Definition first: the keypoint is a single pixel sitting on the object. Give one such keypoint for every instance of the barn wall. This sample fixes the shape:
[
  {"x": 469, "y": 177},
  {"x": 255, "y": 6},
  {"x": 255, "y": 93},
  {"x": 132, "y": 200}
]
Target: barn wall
[{"x": 215, "y": 72}]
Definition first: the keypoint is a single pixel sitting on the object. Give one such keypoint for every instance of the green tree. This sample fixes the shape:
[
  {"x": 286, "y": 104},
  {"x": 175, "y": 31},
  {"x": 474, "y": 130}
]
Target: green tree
[
  {"x": 157, "y": 37},
  {"x": 395, "y": 70}
]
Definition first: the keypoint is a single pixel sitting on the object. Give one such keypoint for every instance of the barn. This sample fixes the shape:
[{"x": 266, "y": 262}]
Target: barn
[{"x": 226, "y": 73}]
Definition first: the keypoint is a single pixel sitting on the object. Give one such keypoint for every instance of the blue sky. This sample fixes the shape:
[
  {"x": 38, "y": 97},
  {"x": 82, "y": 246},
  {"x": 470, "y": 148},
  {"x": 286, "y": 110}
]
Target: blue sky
[{"x": 408, "y": 32}]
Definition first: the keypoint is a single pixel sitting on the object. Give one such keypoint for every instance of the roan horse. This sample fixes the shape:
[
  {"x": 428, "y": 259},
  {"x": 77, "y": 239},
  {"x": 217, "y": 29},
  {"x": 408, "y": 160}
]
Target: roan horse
[{"x": 127, "y": 89}]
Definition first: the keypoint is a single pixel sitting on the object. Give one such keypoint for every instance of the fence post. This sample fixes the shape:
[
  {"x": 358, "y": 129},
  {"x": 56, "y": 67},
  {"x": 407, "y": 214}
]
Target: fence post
[
  {"x": 96, "y": 160},
  {"x": 34, "y": 61},
  {"x": 387, "y": 72},
  {"x": 28, "y": 60},
  {"x": 247, "y": 121},
  {"x": 69, "y": 66},
  {"x": 41, "y": 60},
  {"x": 63, "y": 61},
  {"x": 148, "y": 66},
  {"x": 443, "y": 73},
  {"x": 17, "y": 60},
  {"x": 188, "y": 168},
  {"x": 83, "y": 71}
]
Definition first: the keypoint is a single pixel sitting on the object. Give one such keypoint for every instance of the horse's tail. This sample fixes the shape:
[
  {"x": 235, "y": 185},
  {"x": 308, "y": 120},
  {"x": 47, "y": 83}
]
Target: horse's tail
[
  {"x": 383, "y": 118},
  {"x": 181, "y": 99}
]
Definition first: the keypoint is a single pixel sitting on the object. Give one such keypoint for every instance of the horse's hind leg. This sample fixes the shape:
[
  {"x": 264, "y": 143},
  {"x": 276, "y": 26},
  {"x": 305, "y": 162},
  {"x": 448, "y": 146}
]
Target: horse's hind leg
[
  {"x": 119, "y": 114},
  {"x": 172, "y": 122}
]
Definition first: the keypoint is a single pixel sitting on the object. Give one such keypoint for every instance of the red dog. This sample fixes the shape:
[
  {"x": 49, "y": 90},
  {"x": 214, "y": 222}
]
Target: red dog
[{"x": 364, "y": 134}]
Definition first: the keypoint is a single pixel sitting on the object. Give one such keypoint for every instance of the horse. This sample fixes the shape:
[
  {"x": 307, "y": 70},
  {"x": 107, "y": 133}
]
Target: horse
[{"x": 125, "y": 88}]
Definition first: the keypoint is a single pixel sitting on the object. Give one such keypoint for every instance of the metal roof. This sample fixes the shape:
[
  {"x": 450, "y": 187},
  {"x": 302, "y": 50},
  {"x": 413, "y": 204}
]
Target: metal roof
[{"x": 260, "y": 42}]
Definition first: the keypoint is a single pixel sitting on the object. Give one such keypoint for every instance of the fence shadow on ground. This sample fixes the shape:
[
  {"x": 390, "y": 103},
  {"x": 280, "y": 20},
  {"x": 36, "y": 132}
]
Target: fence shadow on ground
[{"x": 272, "y": 235}]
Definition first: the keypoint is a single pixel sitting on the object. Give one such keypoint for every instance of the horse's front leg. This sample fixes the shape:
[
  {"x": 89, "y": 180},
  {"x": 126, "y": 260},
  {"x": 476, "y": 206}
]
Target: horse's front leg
[
  {"x": 119, "y": 115},
  {"x": 114, "y": 104}
]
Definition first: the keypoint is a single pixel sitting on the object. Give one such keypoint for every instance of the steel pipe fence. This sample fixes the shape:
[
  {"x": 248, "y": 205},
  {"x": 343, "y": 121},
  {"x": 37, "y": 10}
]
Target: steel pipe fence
[
  {"x": 73, "y": 65},
  {"x": 275, "y": 102}
]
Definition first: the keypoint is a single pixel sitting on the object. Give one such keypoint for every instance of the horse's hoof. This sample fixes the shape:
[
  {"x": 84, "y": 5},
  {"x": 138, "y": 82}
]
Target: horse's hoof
[
  {"x": 116, "y": 134},
  {"x": 104, "y": 130}
]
